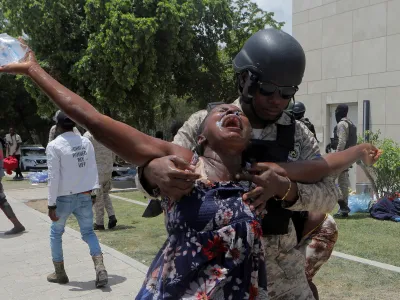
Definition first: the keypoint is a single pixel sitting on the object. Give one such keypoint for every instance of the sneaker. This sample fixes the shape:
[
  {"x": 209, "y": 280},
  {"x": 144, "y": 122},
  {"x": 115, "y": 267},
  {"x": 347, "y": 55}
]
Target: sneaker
[{"x": 15, "y": 230}]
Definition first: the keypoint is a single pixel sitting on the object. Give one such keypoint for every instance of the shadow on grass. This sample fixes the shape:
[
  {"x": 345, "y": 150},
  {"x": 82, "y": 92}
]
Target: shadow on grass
[{"x": 120, "y": 227}]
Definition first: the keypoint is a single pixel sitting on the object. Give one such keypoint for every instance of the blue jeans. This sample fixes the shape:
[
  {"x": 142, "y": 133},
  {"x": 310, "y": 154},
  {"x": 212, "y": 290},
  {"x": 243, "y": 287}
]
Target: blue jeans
[{"x": 81, "y": 206}]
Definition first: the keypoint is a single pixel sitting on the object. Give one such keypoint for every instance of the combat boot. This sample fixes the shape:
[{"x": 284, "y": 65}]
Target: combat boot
[
  {"x": 101, "y": 273},
  {"x": 59, "y": 275},
  {"x": 112, "y": 222}
]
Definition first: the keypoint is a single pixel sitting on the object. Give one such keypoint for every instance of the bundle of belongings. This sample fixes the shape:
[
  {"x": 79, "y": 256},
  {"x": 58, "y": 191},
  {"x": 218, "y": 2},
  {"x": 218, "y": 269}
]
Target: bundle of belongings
[{"x": 387, "y": 209}]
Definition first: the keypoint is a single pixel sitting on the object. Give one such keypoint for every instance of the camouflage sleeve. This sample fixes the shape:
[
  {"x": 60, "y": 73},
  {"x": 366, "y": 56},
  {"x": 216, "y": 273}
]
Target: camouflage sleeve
[
  {"x": 343, "y": 135},
  {"x": 52, "y": 133},
  {"x": 319, "y": 197},
  {"x": 186, "y": 137},
  {"x": 187, "y": 134}
]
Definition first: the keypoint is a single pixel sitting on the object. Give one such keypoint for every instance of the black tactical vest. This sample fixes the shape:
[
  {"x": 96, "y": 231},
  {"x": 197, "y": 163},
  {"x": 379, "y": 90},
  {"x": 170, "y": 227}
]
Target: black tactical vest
[
  {"x": 276, "y": 221},
  {"x": 351, "y": 139}
]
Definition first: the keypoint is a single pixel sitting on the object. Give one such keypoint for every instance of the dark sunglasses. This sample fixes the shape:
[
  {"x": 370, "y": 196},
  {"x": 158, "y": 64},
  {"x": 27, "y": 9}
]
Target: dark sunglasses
[{"x": 286, "y": 92}]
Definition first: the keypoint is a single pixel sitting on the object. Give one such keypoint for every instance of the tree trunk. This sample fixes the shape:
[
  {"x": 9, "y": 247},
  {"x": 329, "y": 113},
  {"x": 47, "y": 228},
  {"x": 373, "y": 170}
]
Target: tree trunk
[{"x": 370, "y": 178}]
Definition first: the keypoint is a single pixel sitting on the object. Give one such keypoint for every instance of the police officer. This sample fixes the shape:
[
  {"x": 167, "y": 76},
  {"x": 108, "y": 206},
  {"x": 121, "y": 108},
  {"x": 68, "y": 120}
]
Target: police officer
[
  {"x": 299, "y": 110},
  {"x": 346, "y": 137},
  {"x": 269, "y": 69},
  {"x": 105, "y": 160}
]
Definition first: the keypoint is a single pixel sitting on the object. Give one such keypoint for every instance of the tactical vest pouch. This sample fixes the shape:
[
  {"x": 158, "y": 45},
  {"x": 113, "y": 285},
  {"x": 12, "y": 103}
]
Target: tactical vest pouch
[{"x": 276, "y": 221}]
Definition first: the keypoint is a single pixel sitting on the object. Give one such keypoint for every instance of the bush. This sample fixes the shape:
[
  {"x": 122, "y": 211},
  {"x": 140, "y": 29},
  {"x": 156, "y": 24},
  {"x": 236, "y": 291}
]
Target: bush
[{"x": 386, "y": 172}]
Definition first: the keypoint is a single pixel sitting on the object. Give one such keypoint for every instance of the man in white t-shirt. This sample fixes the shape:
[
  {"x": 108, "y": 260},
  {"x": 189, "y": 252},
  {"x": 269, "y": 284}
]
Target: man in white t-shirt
[
  {"x": 53, "y": 132},
  {"x": 5, "y": 206},
  {"x": 72, "y": 178},
  {"x": 13, "y": 141}
]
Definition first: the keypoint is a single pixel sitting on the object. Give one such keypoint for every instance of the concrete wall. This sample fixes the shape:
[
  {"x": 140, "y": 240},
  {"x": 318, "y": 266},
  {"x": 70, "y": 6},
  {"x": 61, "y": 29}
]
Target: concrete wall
[{"x": 353, "y": 54}]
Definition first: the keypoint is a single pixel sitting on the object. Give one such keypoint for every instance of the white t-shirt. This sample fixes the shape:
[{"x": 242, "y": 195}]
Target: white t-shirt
[
  {"x": 72, "y": 166},
  {"x": 12, "y": 142}
]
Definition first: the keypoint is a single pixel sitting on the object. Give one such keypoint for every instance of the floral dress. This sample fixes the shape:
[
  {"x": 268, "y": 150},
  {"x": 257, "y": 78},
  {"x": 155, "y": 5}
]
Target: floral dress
[{"x": 213, "y": 249}]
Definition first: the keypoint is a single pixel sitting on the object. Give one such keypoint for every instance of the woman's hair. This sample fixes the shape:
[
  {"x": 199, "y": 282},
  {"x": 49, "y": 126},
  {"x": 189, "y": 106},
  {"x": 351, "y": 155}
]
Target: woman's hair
[{"x": 200, "y": 148}]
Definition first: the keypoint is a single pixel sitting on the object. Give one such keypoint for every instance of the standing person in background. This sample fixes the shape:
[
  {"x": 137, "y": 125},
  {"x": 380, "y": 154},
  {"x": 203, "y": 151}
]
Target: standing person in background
[
  {"x": 4, "y": 205},
  {"x": 346, "y": 135},
  {"x": 13, "y": 141},
  {"x": 105, "y": 160},
  {"x": 299, "y": 110},
  {"x": 53, "y": 133},
  {"x": 72, "y": 178}
]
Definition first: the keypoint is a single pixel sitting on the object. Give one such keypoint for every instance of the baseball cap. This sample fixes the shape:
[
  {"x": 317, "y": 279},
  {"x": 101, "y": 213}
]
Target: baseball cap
[{"x": 64, "y": 121}]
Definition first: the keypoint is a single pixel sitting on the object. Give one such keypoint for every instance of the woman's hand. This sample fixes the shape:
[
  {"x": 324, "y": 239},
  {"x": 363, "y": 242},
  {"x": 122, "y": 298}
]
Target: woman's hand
[
  {"x": 23, "y": 66},
  {"x": 370, "y": 154},
  {"x": 270, "y": 180}
]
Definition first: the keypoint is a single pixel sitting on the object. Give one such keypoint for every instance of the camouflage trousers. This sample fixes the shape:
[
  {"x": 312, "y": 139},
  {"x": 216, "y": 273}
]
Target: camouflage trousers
[
  {"x": 286, "y": 276},
  {"x": 344, "y": 183},
  {"x": 317, "y": 246},
  {"x": 103, "y": 200}
]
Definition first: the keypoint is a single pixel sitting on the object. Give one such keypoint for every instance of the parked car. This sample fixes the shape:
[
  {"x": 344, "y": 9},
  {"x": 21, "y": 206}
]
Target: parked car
[{"x": 33, "y": 158}]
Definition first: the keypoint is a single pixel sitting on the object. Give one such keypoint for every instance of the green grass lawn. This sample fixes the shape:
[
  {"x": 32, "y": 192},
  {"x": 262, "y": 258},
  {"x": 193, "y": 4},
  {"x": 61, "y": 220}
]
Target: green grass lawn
[{"x": 359, "y": 235}]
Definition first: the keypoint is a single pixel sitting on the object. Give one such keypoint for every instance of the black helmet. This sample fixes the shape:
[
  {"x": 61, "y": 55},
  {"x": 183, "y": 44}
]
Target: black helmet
[
  {"x": 272, "y": 56},
  {"x": 299, "y": 108}
]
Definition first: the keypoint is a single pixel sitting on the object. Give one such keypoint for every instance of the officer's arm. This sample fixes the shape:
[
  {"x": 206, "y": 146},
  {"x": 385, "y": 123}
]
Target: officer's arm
[
  {"x": 342, "y": 131},
  {"x": 186, "y": 137},
  {"x": 321, "y": 196}
]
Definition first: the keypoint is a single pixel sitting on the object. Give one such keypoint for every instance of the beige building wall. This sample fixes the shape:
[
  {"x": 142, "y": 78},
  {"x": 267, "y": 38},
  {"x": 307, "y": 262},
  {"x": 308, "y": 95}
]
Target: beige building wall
[{"x": 353, "y": 54}]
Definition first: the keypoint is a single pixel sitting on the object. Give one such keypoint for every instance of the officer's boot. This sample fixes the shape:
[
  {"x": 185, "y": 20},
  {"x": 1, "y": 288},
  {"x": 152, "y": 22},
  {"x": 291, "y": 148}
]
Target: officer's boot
[
  {"x": 343, "y": 209},
  {"x": 8, "y": 211},
  {"x": 112, "y": 222},
  {"x": 59, "y": 275},
  {"x": 101, "y": 273}
]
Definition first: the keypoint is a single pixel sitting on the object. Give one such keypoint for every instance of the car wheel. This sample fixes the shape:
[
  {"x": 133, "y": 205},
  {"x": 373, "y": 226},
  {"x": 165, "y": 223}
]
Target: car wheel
[{"x": 23, "y": 169}]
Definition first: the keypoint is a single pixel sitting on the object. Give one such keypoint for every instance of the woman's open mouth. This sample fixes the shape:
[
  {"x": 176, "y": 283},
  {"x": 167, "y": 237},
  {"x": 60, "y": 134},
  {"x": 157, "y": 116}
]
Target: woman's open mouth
[{"x": 232, "y": 122}]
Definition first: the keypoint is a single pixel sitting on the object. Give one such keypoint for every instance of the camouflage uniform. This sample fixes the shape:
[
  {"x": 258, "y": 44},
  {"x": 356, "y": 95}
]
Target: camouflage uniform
[
  {"x": 105, "y": 160},
  {"x": 318, "y": 245},
  {"x": 343, "y": 179},
  {"x": 284, "y": 262},
  {"x": 53, "y": 135}
]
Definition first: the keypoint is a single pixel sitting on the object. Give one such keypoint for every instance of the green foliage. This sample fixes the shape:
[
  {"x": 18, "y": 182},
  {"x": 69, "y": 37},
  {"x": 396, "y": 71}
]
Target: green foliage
[
  {"x": 133, "y": 58},
  {"x": 386, "y": 171}
]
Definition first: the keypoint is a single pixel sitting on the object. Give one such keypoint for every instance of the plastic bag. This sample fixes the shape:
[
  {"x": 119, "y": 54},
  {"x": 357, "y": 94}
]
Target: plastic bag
[
  {"x": 11, "y": 50},
  {"x": 359, "y": 203},
  {"x": 10, "y": 164}
]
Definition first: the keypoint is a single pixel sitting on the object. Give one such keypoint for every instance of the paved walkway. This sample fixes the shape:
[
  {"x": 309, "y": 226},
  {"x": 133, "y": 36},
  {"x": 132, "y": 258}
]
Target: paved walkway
[{"x": 25, "y": 260}]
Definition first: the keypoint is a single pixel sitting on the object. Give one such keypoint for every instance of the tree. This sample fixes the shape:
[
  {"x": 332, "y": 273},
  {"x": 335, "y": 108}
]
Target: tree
[
  {"x": 17, "y": 107},
  {"x": 130, "y": 57}
]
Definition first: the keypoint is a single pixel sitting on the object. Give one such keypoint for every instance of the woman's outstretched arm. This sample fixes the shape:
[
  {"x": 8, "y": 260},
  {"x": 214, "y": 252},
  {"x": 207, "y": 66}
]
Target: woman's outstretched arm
[
  {"x": 129, "y": 143},
  {"x": 312, "y": 171}
]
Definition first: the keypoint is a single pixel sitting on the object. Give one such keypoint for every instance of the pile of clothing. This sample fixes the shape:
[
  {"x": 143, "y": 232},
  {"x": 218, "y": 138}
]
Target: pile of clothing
[{"x": 387, "y": 209}]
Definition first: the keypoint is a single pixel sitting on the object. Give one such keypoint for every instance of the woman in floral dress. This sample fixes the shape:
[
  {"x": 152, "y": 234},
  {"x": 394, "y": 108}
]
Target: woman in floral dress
[{"x": 214, "y": 249}]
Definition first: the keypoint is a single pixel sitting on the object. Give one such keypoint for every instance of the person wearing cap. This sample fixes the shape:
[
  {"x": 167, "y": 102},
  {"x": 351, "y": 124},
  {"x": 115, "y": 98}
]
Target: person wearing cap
[
  {"x": 269, "y": 69},
  {"x": 53, "y": 133},
  {"x": 346, "y": 136},
  {"x": 72, "y": 178},
  {"x": 5, "y": 206},
  {"x": 14, "y": 142},
  {"x": 105, "y": 160}
]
